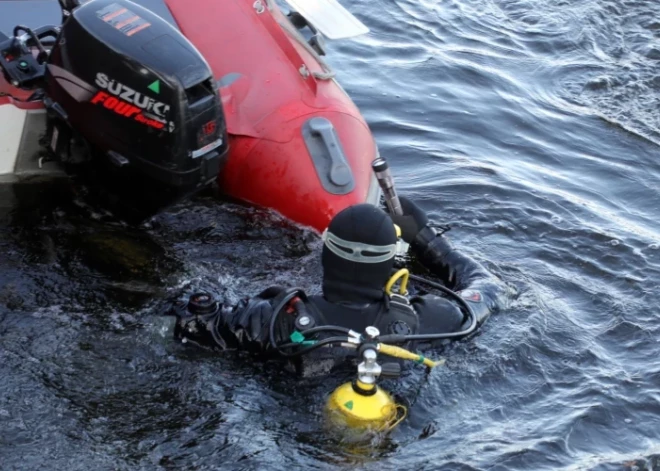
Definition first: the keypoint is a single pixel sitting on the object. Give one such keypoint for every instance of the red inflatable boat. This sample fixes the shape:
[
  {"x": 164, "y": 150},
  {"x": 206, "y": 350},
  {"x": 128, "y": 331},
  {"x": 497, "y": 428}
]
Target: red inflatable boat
[{"x": 175, "y": 94}]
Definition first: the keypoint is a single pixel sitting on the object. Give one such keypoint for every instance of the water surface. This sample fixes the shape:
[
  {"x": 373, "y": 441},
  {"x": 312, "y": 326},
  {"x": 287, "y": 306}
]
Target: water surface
[{"x": 530, "y": 126}]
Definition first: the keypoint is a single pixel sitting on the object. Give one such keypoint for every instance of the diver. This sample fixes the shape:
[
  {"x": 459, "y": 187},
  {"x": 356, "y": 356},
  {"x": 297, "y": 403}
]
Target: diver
[{"x": 358, "y": 258}]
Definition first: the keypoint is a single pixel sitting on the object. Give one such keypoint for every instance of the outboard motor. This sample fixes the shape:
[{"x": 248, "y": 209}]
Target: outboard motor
[{"x": 139, "y": 93}]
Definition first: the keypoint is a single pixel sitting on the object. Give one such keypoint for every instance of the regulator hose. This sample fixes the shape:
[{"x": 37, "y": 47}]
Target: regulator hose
[
  {"x": 288, "y": 296},
  {"x": 399, "y": 352},
  {"x": 328, "y": 328},
  {"x": 449, "y": 335},
  {"x": 318, "y": 344},
  {"x": 293, "y": 292}
]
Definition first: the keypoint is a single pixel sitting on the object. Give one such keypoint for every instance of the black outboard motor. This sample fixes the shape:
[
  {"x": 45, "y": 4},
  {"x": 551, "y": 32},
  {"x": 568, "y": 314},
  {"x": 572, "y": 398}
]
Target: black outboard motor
[{"x": 135, "y": 89}]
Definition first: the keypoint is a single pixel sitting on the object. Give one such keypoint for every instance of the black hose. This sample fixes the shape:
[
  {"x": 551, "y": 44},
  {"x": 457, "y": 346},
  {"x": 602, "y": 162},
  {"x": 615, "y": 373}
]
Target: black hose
[
  {"x": 459, "y": 300},
  {"x": 327, "y": 328},
  {"x": 290, "y": 294},
  {"x": 214, "y": 331},
  {"x": 319, "y": 344}
]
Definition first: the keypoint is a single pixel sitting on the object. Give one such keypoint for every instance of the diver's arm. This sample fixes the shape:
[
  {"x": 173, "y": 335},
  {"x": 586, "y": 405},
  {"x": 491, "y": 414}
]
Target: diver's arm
[
  {"x": 245, "y": 326},
  {"x": 456, "y": 270},
  {"x": 459, "y": 272},
  {"x": 437, "y": 315}
]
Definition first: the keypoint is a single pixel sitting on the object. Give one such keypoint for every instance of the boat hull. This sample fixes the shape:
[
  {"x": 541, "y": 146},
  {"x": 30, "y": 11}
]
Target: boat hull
[{"x": 297, "y": 142}]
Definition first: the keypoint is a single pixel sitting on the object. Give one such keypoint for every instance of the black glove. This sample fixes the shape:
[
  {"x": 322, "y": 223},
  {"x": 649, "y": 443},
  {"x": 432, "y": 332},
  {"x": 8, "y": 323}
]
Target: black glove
[{"x": 414, "y": 219}]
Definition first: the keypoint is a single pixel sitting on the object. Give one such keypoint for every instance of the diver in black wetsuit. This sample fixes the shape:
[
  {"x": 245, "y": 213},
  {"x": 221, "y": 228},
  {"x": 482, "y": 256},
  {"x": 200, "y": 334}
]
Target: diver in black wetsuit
[{"x": 358, "y": 257}]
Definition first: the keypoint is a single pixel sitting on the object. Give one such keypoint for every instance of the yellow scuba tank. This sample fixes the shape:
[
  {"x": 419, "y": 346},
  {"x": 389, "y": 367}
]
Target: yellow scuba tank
[
  {"x": 349, "y": 407},
  {"x": 361, "y": 405}
]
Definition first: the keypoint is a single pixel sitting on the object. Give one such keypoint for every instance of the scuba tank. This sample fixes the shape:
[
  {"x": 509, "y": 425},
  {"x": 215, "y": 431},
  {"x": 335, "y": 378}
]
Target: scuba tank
[{"x": 361, "y": 406}]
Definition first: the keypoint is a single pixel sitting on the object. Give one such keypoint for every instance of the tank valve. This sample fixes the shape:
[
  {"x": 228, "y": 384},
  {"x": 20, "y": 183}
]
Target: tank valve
[{"x": 371, "y": 332}]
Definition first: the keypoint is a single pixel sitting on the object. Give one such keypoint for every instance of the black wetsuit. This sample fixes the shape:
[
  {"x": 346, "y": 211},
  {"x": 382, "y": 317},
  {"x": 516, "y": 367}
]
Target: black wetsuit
[{"x": 246, "y": 326}]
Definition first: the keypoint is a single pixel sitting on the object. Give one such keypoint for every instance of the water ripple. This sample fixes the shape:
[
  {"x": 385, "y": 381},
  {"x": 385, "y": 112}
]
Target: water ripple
[{"x": 530, "y": 126}]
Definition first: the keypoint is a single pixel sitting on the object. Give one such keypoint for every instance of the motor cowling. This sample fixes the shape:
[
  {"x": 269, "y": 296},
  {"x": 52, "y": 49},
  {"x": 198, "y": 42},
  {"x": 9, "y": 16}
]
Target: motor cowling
[{"x": 131, "y": 85}]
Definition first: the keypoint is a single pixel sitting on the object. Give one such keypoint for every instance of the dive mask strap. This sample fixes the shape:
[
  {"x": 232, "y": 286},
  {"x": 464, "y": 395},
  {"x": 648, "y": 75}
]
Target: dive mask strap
[{"x": 357, "y": 251}]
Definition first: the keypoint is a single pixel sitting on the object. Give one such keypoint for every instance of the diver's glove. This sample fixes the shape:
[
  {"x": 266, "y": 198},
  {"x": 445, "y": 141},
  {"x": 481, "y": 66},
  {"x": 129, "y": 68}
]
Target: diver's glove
[
  {"x": 412, "y": 221},
  {"x": 204, "y": 321},
  {"x": 425, "y": 238},
  {"x": 247, "y": 325}
]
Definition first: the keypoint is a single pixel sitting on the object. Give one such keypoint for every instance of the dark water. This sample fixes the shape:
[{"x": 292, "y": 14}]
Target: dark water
[{"x": 531, "y": 126}]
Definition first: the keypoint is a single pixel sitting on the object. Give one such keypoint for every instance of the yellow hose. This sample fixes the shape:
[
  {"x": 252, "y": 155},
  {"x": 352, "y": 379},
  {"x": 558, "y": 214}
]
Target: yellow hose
[
  {"x": 399, "y": 352},
  {"x": 403, "y": 289}
]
